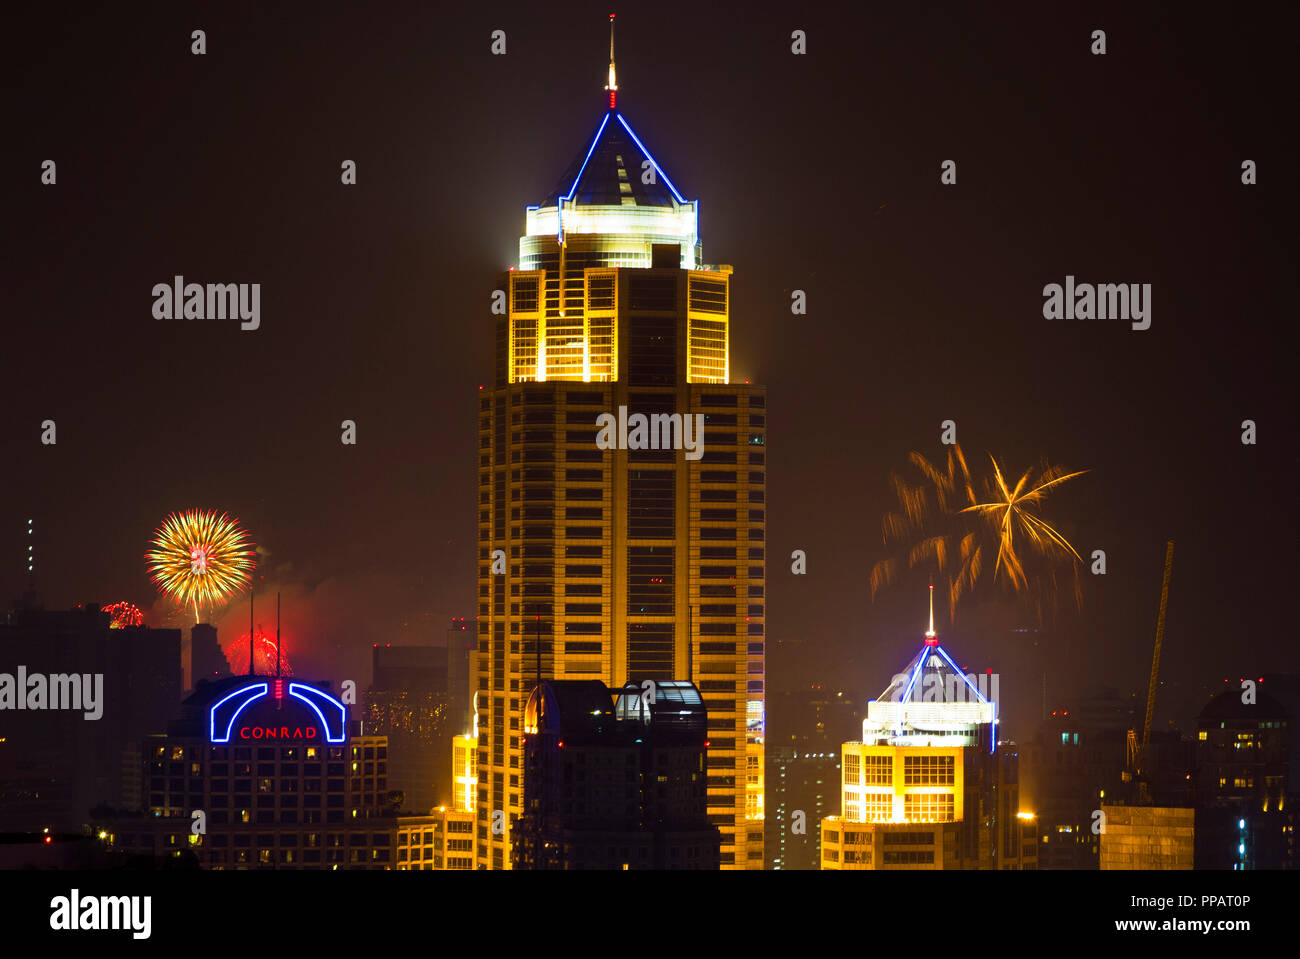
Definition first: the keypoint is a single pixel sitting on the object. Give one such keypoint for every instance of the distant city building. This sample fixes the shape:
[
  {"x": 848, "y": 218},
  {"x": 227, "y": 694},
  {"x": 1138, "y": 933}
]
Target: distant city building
[
  {"x": 927, "y": 787},
  {"x": 1067, "y": 770},
  {"x": 803, "y": 788},
  {"x": 408, "y": 703},
  {"x": 1077, "y": 760},
  {"x": 56, "y": 765},
  {"x": 1243, "y": 752},
  {"x": 615, "y": 781},
  {"x": 1147, "y": 837},
  {"x": 643, "y": 555},
  {"x": 1285, "y": 688},
  {"x": 802, "y": 770},
  {"x": 462, "y": 647},
  {"x": 207, "y": 661}
]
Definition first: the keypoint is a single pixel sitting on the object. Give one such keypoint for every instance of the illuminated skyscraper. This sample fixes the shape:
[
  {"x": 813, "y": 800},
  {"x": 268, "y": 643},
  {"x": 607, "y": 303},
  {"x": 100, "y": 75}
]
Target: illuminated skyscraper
[
  {"x": 928, "y": 787},
  {"x": 644, "y": 560}
]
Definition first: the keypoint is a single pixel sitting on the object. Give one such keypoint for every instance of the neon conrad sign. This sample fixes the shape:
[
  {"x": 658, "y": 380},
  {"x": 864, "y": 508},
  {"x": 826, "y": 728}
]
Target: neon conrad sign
[
  {"x": 278, "y": 732},
  {"x": 260, "y": 712}
]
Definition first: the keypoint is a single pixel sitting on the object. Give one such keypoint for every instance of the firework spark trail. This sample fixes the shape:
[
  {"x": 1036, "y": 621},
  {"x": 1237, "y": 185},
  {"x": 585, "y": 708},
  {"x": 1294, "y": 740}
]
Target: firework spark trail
[
  {"x": 930, "y": 517},
  {"x": 1011, "y": 507},
  {"x": 200, "y": 559}
]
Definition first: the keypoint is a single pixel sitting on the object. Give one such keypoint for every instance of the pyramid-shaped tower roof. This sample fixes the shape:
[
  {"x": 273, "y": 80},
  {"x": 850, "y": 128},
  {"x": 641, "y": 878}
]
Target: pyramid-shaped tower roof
[
  {"x": 610, "y": 172},
  {"x": 932, "y": 677}
]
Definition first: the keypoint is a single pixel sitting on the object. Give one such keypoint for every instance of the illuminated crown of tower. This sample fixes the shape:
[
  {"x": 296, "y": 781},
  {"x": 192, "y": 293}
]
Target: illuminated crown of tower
[
  {"x": 614, "y": 200},
  {"x": 930, "y": 702}
]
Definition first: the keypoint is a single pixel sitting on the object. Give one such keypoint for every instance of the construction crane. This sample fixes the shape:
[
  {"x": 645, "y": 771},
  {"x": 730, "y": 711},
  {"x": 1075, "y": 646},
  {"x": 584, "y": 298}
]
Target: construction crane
[{"x": 1139, "y": 753}]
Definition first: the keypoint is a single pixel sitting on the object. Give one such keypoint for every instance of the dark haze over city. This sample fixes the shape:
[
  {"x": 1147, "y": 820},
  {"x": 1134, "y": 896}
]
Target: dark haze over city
[{"x": 817, "y": 173}]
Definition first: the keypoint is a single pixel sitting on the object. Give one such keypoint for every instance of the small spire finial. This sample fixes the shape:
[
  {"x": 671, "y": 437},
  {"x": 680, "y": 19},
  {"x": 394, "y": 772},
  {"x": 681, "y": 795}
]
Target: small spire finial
[
  {"x": 612, "y": 85},
  {"x": 929, "y": 633}
]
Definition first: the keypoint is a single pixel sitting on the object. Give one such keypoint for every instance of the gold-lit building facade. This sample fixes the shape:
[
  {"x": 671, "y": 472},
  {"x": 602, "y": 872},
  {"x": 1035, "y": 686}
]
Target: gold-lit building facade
[
  {"x": 442, "y": 840},
  {"x": 1148, "y": 837},
  {"x": 928, "y": 786},
  {"x": 641, "y": 562}
]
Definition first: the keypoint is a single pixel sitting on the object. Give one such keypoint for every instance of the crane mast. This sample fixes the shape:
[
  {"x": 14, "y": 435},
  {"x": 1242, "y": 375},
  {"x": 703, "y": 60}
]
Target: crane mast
[{"x": 1139, "y": 753}]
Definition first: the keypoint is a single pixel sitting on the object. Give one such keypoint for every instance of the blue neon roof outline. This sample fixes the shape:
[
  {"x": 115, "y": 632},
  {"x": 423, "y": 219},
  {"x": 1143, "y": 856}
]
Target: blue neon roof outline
[
  {"x": 568, "y": 197},
  {"x": 599, "y": 130},
  {"x": 680, "y": 198},
  {"x": 961, "y": 674},
  {"x": 559, "y": 201},
  {"x": 343, "y": 734},
  {"x": 262, "y": 689},
  {"x": 920, "y": 664}
]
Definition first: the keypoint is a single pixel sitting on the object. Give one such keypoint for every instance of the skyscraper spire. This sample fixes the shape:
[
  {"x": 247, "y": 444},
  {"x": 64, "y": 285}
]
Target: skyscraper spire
[
  {"x": 612, "y": 85},
  {"x": 930, "y": 639}
]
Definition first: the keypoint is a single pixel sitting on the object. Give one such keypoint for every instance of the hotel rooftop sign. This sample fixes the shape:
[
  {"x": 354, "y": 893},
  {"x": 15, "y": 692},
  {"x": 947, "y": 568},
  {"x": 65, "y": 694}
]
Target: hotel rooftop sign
[{"x": 277, "y": 710}]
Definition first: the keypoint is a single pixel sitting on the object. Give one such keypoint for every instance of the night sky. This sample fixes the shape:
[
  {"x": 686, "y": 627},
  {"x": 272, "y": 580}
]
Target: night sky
[{"x": 816, "y": 172}]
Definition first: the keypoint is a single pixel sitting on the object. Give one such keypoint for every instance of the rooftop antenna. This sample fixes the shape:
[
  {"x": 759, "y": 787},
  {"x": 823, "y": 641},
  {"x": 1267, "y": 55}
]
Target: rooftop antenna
[
  {"x": 612, "y": 85},
  {"x": 930, "y": 638},
  {"x": 277, "y": 635}
]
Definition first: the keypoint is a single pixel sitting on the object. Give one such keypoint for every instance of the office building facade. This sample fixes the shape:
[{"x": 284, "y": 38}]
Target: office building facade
[
  {"x": 408, "y": 702},
  {"x": 57, "y": 763},
  {"x": 639, "y": 556},
  {"x": 615, "y": 780}
]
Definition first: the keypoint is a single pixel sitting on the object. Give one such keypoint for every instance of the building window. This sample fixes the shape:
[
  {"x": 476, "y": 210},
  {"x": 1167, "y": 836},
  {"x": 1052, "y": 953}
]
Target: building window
[
  {"x": 908, "y": 858},
  {"x": 852, "y": 769},
  {"x": 879, "y": 770},
  {"x": 928, "y": 770},
  {"x": 928, "y": 807}
]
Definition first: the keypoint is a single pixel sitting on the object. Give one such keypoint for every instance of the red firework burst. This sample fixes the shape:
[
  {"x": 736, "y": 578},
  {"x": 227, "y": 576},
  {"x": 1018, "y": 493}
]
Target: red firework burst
[
  {"x": 263, "y": 655},
  {"x": 123, "y": 614}
]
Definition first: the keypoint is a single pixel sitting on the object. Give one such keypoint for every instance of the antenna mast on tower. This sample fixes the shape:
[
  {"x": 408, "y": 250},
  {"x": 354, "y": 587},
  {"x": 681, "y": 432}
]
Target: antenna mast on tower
[{"x": 612, "y": 85}]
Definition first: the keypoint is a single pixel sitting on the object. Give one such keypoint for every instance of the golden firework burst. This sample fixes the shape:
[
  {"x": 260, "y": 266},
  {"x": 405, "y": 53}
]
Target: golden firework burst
[
  {"x": 949, "y": 525},
  {"x": 200, "y": 559}
]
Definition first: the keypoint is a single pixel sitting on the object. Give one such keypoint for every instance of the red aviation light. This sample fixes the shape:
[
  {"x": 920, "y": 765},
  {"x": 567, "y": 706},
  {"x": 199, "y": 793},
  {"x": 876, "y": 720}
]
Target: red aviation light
[
  {"x": 933, "y": 641},
  {"x": 279, "y": 689}
]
